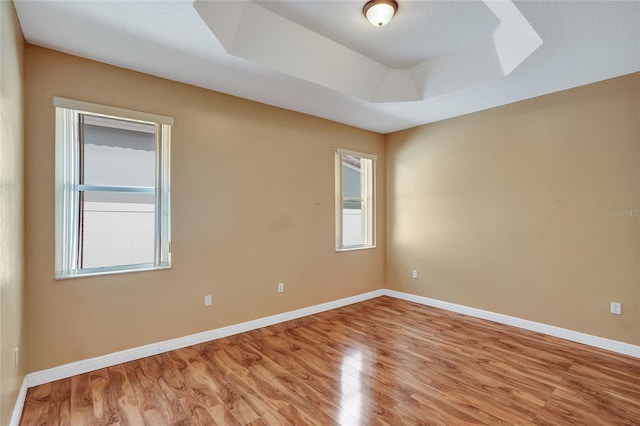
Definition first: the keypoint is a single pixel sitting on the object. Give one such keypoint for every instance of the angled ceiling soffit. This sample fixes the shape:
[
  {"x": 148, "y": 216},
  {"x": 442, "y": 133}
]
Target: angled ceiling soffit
[{"x": 249, "y": 31}]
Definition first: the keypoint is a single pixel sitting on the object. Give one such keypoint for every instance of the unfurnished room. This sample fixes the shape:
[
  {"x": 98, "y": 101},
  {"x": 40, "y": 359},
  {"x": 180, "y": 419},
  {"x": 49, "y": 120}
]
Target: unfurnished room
[{"x": 319, "y": 212}]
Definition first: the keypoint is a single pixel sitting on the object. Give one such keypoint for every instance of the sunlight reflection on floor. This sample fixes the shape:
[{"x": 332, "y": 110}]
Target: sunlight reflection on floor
[{"x": 351, "y": 392}]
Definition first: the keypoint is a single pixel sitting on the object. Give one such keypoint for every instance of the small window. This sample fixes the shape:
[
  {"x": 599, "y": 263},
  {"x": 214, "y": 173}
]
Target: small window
[
  {"x": 112, "y": 190},
  {"x": 355, "y": 203}
]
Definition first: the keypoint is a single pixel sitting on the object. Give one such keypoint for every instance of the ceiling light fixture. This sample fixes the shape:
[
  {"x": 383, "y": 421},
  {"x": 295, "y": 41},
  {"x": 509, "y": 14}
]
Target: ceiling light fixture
[{"x": 380, "y": 12}]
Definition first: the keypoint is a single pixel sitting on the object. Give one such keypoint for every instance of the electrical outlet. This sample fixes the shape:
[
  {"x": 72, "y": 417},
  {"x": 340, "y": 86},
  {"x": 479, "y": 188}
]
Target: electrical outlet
[
  {"x": 280, "y": 287},
  {"x": 414, "y": 274},
  {"x": 616, "y": 308},
  {"x": 208, "y": 300}
]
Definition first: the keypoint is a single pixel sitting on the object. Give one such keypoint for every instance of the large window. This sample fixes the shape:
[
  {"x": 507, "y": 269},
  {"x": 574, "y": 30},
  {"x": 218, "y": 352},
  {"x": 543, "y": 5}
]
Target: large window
[
  {"x": 112, "y": 189},
  {"x": 355, "y": 204}
]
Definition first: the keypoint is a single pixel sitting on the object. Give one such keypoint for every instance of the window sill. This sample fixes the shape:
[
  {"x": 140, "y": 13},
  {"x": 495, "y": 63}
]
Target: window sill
[
  {"x": 355, "y": 248},
  {"x": 111, "y": 272}
]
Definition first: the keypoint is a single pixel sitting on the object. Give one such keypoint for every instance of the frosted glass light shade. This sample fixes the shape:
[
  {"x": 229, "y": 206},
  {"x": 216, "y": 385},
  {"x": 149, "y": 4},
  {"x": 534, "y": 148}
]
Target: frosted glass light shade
[{"x": 380, "y": 12}]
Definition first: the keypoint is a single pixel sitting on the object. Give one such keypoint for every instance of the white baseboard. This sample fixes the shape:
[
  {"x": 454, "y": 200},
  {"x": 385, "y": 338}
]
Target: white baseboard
[
  {"x": 17, "y": 409},
  {"x": 79, "y": 367},
  {"x": 574, "y": 336}
]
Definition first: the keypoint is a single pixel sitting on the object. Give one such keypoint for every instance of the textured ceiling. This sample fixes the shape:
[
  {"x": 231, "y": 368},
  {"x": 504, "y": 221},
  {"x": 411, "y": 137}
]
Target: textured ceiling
[{"x": 434, "y": 60}]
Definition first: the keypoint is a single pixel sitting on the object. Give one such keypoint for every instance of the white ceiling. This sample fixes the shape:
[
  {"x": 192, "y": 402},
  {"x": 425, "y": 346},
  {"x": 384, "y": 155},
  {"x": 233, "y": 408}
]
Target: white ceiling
[{"x": 434, "y": 60}]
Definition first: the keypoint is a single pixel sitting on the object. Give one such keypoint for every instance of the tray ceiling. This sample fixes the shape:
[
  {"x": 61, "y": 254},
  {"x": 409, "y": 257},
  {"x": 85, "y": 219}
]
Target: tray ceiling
[{"x": 434, "y": 60}]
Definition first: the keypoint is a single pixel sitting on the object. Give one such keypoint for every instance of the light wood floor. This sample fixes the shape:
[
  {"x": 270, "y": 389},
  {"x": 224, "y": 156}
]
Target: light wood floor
[{"x": 379, "y": 362}]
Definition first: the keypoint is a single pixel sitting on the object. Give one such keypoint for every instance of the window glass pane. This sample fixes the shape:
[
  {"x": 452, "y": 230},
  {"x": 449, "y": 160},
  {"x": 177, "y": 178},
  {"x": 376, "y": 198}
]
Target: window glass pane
[
  {"x": 118, "y": 152},
  {"x": 112, "y": 199},
  {"x": 117, "y": 229},
  {"x": 355, "y": 204},
  {"x": 352, "y": 224},
  {"x": 351, "y": 183}
]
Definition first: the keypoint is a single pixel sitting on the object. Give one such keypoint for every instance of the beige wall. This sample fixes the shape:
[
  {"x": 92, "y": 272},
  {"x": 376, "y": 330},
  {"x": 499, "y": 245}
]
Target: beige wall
[
  {"x": 503, "y": 210},
  {"x": 11, "y": 209},
  {"x": 252, "y": 204},
  {"x": 506, "y": 210}
]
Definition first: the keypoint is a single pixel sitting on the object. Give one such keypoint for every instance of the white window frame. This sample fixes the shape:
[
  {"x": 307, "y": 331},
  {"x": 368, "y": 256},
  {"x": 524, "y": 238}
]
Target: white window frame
[
  {"x": 68, "y": 188},
  {"x": 368, "y": 198}
]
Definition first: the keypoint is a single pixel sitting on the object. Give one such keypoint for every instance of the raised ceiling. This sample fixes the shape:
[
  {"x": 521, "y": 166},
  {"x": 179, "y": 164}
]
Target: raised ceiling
[
  {"x": 423, "y": 28},
  {"x": 252, "y": 32},
  {"x": 434, "y": 60}
]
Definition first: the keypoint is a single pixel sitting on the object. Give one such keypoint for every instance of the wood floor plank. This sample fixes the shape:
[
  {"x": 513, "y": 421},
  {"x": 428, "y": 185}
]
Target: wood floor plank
[
  {"x": 82, "y": 411},
  {"x": 42, "y": 408},
  {"x": 148, "y": 372},
  {"x": 60, "y": 402},
  {"x": 125, "y": 397},
  {"x": 103, "y": 412},
  {"x": 380, "y": 362}
]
